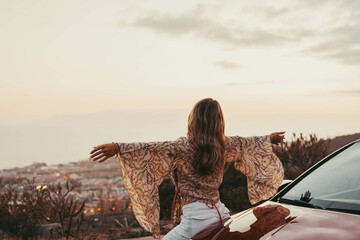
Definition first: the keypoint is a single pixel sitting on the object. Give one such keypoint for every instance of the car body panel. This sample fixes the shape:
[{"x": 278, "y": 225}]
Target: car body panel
[{"x": 272, "y": 220}]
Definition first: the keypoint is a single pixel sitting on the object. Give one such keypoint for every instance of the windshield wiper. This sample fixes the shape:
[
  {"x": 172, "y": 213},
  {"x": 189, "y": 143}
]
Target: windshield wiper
[{"x": 298, "y": 202}]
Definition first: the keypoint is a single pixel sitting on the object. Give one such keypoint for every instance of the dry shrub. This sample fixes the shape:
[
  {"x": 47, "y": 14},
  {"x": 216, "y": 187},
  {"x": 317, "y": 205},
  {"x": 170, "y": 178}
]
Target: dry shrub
[{"x": 301, "y": 153}]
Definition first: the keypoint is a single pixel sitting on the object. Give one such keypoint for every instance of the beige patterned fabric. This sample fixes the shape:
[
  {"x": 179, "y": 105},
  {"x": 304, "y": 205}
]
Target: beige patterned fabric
[{"x": 146, "y": 165}]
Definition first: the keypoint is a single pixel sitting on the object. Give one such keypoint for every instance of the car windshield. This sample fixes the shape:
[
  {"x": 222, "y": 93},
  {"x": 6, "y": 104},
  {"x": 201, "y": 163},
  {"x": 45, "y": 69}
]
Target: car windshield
[{"x": 335, "y": 185}]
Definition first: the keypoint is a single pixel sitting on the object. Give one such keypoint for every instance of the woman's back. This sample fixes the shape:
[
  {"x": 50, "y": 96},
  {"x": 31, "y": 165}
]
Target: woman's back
[{"x": 191, "y": 185}]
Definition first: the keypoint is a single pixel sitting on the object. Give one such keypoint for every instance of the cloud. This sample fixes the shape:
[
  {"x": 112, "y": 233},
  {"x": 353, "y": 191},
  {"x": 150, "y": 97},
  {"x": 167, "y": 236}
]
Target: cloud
[
  {"x": 341, "y": 44},
  {"x": 325, "y": 29},
  {"x": 171, "y": 25},
  {"x": 228, "y": 65},
  {"x": 341, "y": 40},
  {"x": 202, "y": 24}
]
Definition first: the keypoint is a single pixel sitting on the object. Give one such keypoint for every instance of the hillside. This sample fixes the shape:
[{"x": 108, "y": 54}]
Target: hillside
[{"x": 341, "y": 141}]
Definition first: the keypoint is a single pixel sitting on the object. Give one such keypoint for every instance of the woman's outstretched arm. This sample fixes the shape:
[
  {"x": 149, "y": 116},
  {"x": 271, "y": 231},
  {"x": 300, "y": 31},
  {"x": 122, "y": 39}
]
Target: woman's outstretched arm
[
  {"x": 144, "y": 165},
  {"x": 254, "y": 157}
]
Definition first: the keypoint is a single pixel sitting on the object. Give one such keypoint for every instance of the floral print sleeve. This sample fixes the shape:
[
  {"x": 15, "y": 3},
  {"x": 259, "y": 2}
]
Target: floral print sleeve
[
  {"x": 144, "y": 166},
  {"x": 253, "y": 156}
]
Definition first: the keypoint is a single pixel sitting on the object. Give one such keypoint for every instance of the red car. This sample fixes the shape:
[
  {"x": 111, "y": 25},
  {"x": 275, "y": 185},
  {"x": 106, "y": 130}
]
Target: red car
[{"x": 322, "y": 203}]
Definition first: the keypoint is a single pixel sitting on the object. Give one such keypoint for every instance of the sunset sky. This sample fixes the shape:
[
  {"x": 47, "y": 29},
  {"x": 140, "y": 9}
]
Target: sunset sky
[{"x": 75, "y": 74}]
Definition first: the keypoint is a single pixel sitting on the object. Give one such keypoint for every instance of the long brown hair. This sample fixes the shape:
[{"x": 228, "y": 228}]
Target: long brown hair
[{"x": 206, "y": 129}]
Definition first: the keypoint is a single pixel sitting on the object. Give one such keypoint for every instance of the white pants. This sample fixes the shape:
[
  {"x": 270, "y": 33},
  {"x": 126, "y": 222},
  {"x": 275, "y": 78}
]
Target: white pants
[{"x": 196, "y": 217}]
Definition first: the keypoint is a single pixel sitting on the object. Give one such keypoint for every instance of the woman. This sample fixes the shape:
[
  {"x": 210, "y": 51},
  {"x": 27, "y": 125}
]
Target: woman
[{"x": 195, "y": 165}]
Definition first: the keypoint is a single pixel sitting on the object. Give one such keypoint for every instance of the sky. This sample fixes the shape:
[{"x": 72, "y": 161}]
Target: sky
[{"x": 76, "y": 74}]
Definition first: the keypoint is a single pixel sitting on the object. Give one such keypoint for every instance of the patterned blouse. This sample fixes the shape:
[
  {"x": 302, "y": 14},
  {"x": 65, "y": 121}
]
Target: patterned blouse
[{"x": 146, "y": 165}]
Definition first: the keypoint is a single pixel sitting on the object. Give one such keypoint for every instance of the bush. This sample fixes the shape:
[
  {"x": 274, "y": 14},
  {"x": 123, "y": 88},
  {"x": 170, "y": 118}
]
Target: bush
[
  {"x": 233, "y": 190},
  {"x": 22, "y": 210},
  {"x": 166, "y": 195},
  {"x": 301, "y": 153}
]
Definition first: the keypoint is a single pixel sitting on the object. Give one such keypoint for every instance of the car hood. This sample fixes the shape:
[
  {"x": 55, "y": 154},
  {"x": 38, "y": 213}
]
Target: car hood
[{"x": 274, "y": 221}]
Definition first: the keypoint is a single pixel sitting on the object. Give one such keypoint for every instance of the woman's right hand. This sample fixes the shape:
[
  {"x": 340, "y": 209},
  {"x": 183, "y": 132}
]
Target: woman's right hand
[
  {"x": 103, "y": 152},
  {"x": 277, "y": 137}
]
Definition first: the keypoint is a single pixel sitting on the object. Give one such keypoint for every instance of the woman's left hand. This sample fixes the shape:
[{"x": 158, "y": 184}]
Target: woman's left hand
[{"x": 103, "y": 152}]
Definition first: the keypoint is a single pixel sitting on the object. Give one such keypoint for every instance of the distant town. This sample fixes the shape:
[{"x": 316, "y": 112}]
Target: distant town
[{"x": 100, "y": 185}]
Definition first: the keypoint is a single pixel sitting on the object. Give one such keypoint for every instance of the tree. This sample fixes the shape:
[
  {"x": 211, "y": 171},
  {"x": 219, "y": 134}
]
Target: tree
[
  {"x": 21, "y": 210},
  {"x": 63, "y": 207}
]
